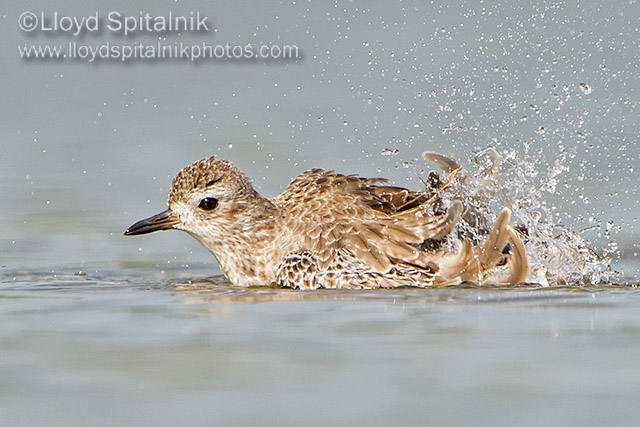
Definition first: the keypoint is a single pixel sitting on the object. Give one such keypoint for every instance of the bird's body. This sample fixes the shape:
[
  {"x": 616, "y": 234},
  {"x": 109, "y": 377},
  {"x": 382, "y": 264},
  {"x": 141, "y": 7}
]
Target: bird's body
[{"x": 328, "y": 230}]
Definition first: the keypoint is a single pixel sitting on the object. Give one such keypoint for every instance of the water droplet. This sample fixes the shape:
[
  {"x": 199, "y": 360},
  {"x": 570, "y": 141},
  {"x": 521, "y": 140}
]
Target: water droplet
[
  {"x": 585, "y": 88},
  {"x": 390, "y": 152}
]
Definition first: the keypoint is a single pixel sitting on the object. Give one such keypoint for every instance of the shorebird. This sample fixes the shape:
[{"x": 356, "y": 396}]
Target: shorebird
[{"x": 328, "y": 230}]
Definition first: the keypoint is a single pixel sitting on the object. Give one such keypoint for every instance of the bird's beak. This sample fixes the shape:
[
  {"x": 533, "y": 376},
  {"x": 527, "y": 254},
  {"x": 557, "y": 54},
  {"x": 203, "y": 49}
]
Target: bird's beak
[{"x": 162, "y": 221}]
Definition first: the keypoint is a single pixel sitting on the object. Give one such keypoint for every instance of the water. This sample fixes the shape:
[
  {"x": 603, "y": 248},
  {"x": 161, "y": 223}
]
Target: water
[
  {"x": 98, "y": 329},
  {"x": 151, "y": 349},
  {"x": 557, "y": 253}
]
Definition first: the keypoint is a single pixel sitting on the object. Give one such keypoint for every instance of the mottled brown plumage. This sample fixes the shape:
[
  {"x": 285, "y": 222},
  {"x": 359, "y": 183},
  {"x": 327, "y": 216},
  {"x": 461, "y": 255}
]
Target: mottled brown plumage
[{"x": 328, "y": 230}]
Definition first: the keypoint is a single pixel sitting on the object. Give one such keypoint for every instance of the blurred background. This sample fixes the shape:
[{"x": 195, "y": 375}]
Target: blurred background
[{"x": 90, "y": 148}]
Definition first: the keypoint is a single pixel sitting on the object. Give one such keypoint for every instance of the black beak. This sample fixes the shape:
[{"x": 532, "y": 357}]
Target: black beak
[{"x": 162, "y": 221}]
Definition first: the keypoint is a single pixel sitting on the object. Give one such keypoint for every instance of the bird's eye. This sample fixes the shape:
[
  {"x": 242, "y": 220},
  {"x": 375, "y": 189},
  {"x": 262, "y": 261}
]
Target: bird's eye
[{"x": 208, "y": 203}]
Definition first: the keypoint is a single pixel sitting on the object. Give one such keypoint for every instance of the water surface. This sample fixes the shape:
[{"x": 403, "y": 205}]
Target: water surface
[{"x": 141, "y": 347}]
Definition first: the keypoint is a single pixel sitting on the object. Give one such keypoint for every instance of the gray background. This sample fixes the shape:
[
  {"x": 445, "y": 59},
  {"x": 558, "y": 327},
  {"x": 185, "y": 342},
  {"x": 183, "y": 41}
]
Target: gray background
[{"x": 83, "y": 156}]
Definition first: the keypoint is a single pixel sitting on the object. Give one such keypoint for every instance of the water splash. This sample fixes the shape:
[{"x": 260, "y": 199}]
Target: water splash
[{"x": 558, "y": 254}]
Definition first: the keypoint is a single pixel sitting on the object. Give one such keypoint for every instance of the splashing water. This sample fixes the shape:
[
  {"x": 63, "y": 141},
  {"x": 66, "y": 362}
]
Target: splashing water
[{"x": 558, "y": 255}]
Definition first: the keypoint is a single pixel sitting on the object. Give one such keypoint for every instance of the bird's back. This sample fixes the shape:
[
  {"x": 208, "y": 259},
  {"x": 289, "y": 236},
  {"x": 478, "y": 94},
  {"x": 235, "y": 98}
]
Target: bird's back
[{"x": 357, "y": 232}]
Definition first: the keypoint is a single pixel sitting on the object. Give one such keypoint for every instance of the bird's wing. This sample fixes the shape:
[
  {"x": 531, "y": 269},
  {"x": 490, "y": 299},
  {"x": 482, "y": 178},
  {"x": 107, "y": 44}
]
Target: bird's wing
[{"x": 380, "y": 225}]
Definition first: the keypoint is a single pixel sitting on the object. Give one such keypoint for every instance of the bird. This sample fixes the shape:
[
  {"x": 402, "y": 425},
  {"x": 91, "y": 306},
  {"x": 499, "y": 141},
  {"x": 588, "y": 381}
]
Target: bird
[{"x": 330, "y": 230}]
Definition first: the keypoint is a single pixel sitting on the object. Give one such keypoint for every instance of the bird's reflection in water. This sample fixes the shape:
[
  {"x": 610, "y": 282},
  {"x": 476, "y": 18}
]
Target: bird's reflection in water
[{"x": 217, "y": 289}]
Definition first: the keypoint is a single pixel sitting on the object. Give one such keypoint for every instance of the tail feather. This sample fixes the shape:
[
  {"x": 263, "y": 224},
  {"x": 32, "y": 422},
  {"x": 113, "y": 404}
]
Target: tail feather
[
  {"x": 491, "y": 252},
  {"x": 518, "y": 262}
]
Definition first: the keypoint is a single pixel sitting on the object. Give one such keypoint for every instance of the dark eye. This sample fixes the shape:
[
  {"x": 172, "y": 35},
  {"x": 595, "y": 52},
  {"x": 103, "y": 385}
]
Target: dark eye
[{"x": 208, "y": 203}]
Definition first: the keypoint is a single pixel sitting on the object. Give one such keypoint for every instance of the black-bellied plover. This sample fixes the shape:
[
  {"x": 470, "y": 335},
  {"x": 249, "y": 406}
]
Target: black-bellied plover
[{"x": 328, "y": 230}]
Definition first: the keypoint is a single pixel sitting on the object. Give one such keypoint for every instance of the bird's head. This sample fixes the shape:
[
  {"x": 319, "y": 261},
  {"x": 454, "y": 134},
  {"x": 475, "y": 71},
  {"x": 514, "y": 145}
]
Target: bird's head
[{"x": 205, "y": 200}]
